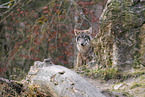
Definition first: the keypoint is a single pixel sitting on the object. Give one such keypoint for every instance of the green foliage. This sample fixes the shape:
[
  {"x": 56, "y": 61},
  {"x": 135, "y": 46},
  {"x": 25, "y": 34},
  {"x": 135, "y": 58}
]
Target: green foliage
[
  {"x": 110, "y": 73},
  {"x": 119, "y": 43},
  {"x": 135, "y": 85},
  {"x": 106, "y": 74}
]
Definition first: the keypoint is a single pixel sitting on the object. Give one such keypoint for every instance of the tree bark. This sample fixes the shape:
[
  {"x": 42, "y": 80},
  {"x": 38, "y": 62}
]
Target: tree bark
[
  {"x": 119, "y": 43},
  {"x": 60, "y": 81}
]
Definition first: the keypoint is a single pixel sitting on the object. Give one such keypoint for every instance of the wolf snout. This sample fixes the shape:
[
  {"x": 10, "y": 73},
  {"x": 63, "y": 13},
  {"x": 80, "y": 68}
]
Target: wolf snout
[{"x": 83, "y": 44}]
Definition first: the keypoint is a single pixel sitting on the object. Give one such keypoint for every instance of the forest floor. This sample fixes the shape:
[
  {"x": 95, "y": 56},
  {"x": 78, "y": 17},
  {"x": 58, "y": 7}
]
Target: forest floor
[{"x": 130, "y": 87}]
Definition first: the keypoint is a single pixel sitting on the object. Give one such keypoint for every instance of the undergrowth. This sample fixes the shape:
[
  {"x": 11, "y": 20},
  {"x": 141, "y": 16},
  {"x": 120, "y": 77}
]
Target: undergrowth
[{"x": 110, "y": 73}]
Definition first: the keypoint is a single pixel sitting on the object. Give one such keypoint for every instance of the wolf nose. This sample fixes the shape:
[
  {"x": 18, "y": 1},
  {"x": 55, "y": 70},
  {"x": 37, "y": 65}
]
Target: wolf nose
[{"x": 82, "y": 44}]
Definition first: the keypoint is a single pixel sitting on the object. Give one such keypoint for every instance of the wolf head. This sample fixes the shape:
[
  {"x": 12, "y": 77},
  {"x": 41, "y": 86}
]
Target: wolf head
[{"x": 83, "y": 40}]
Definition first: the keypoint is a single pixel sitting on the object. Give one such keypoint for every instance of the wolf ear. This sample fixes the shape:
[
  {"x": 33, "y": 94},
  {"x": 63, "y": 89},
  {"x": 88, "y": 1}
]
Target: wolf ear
[
  {"x": 76, "y": 32},
  {"x": 89, "y": 31}
]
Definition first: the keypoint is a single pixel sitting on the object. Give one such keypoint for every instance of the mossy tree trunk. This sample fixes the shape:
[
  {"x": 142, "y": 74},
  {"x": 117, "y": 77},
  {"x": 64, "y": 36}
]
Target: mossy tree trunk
[{"x": 120, "y": 43}]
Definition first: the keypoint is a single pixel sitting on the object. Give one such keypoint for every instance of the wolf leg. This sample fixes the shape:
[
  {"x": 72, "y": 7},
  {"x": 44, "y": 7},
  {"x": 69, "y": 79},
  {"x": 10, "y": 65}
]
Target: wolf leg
[{"x": 79, "y": 60}]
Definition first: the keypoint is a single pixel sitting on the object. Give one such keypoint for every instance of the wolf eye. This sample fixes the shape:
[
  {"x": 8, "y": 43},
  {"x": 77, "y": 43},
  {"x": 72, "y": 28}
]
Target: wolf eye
[
  {"x": 78, "y": 38},
  {"x": 87, "y": 37}
]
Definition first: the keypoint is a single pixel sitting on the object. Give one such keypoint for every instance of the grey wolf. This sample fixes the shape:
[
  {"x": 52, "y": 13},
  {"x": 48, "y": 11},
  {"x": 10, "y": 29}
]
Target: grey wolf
[{"x": 85, "y": 49}]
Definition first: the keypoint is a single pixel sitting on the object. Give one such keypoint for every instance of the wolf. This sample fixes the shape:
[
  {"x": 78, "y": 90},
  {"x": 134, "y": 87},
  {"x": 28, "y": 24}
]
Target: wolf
[{"x": 85, "y": 49}]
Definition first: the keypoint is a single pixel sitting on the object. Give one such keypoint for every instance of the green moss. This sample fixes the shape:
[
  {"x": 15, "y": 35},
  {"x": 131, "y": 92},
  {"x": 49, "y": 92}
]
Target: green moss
[
  {"x": 135, "y": 85},
  {"x": 110, "y": 73},
  {"x": 126, "y": 94}
]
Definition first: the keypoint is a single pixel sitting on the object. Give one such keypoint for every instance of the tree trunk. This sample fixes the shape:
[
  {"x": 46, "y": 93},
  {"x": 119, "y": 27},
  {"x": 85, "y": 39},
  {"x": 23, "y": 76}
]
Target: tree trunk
[
  {"x": 60, "y": 81},
  {"x": 119, "y": 43}
]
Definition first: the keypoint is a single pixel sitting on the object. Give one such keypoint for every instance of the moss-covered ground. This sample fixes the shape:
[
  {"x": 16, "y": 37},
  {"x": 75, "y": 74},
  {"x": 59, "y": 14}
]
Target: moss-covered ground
[{"x": 130, "y": 83}]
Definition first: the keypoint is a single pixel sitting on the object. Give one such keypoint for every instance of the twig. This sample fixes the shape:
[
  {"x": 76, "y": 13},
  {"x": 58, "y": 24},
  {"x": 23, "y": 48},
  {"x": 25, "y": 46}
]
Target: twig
[{"x": 8, "y": 11}]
